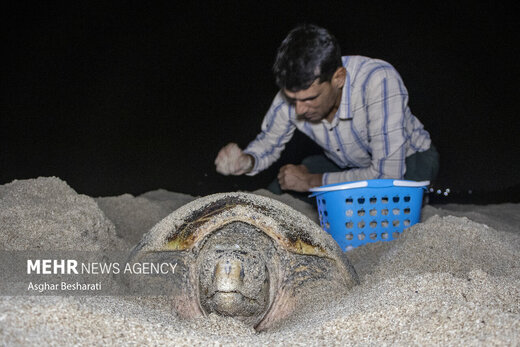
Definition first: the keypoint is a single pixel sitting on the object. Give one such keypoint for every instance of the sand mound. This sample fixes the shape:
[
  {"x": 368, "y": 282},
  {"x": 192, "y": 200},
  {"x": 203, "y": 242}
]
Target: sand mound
[
  {"x": 448, "y": 280},
  {"x": 134, "y": 216},
  {"x": 504, "y": 217},
  {"x": 47, "y": 214},
  {"x": 455, "y": 245},
  {"x": 427, "y": 309}
]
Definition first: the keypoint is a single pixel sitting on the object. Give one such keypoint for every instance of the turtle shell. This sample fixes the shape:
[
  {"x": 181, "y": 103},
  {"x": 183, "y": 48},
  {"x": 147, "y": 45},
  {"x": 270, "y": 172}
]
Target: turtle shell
[{"x": 296, "y": 252}]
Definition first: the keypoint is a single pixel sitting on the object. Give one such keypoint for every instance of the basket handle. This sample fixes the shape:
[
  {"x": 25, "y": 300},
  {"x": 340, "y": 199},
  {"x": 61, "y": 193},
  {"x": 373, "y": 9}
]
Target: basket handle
[
  {"x": 376, "y": 183},
  {"x": 402, "y": 183},
  {"x": 349, "y": 185}
]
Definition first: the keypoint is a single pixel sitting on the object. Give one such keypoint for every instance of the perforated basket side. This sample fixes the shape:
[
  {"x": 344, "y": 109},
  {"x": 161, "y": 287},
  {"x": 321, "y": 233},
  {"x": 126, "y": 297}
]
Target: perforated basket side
[{"x": 358, "y": 216}]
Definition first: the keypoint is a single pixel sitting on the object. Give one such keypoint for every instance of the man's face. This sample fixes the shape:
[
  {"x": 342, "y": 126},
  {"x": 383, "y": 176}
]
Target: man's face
[{"x": 316, "y": 102}]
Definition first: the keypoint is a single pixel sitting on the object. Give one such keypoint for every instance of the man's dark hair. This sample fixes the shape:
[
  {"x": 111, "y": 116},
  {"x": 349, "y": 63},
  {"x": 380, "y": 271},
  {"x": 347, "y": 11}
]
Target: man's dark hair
[{"x": 307, "y": 53}]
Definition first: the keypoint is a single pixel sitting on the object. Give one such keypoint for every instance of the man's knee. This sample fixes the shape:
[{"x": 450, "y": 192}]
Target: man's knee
[{"x": 423, "y": 166}]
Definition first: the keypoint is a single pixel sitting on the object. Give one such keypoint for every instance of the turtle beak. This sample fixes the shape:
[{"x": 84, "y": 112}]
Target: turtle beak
[
  {"x": 227, "y": 285},
  {"x": 229, "y": 275},
  {"x": 231, "y": 293}
]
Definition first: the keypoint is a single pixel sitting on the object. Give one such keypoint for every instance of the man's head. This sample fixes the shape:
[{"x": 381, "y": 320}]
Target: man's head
[{"x": 309, "y": 71}]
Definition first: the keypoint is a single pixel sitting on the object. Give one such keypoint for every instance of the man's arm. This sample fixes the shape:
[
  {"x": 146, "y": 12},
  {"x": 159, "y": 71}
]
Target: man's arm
[{"x": 277, "y": 130}]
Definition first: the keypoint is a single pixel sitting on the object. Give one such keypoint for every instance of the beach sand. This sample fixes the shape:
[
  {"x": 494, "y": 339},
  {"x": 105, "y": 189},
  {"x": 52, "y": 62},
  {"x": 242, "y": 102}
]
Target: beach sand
[{"x": 453, "y": 279}]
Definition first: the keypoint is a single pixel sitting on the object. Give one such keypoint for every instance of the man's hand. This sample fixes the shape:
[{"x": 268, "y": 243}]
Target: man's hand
[
  {"x": 298, "y": 178},
  {"x": 232, "y": 161}
]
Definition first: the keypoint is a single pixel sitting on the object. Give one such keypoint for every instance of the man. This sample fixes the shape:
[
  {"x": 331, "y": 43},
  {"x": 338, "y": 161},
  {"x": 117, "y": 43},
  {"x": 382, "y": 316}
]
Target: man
[{"x": 354, "y": 107}]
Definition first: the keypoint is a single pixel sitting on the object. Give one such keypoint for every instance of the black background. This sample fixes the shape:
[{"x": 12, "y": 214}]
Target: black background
[{"x": 127, "y": 97}]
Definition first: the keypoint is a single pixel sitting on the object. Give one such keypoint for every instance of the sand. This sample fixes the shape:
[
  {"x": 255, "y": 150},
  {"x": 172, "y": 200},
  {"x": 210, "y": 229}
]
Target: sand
[{"x": 453, "y": 279}]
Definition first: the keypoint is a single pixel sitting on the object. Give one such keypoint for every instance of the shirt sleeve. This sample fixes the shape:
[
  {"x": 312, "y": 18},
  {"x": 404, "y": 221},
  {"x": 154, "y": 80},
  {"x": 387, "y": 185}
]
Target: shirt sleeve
[
  {"x": 386, "y": 102},
  {"x": 277, "y": 130}
]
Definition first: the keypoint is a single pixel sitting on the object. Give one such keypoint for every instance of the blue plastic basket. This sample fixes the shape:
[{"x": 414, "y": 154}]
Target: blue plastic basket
[{"x": 356, "y": 213}]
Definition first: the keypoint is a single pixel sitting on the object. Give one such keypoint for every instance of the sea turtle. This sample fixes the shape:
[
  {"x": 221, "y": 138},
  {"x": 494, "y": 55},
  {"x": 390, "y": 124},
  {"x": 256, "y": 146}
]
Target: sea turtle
[{"x": 245, "y": 256}]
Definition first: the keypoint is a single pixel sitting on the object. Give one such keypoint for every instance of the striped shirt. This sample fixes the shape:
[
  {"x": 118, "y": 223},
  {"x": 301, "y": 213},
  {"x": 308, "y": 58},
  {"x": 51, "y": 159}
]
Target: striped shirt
[{"x": 372, "y": 132}]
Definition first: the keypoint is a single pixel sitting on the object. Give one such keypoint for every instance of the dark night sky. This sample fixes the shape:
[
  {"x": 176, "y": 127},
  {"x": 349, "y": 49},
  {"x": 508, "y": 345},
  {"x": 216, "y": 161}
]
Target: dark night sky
[{"x": 126, "y": 97}]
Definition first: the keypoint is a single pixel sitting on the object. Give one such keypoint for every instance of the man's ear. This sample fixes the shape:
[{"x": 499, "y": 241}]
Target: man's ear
[{"x": 339, "y": 77}]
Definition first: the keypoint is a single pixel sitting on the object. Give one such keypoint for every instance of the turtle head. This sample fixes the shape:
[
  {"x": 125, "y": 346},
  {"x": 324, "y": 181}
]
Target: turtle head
[{"x": 235, "y": 272}]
